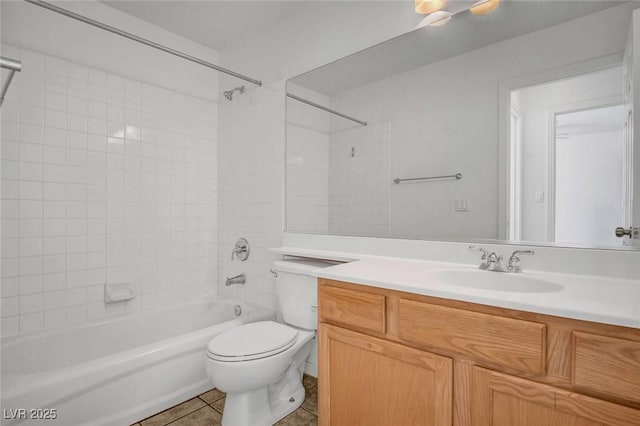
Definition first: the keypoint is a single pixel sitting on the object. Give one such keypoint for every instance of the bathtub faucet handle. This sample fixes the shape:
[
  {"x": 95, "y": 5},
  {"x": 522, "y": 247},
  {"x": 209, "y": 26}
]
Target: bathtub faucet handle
[{"x": 241, "y": 250}]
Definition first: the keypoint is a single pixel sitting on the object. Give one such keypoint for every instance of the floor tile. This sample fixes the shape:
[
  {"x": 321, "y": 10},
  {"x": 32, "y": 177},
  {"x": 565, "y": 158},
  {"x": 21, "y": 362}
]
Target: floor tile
[
  {"x": 309, "y": 381},
  {"x": 205, "y": 416},
  {"x": 219, "y": 405},
  {"x": 299, "y": 417},
  {"x": 212, "y": 396},
  {"x": 196, "y": 412},
  {"x": 174, "y": 413},
  {"x": 311, "y": 400}
]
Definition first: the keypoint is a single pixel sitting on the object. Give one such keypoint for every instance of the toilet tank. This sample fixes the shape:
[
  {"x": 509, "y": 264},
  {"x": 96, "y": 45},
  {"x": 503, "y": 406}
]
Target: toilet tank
[{"x": 297, "y": 291}]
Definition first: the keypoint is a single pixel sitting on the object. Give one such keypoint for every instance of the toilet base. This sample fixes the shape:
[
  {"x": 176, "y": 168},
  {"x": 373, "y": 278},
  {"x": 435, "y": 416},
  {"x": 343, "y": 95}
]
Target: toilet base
[
  {"x": 267, "y": 405},
  {"x": 264, "y": 406}
]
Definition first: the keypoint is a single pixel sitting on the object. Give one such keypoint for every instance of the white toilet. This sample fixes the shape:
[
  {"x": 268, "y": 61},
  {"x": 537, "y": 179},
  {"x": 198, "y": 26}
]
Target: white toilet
[{"x": 259, "y": 365}]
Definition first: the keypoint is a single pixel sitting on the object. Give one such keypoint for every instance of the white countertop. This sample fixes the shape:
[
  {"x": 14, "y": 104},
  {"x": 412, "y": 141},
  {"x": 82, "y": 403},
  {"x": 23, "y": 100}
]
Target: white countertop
[{"x": 589, "y": 298}]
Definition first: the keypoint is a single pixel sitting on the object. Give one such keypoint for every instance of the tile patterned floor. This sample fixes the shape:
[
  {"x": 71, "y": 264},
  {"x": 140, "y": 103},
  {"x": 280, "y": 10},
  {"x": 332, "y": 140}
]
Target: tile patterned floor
[{"x": 206, "y": 410}]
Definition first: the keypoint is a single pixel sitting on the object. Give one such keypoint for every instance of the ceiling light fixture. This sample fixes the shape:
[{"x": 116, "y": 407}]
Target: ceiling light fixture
[
  {"x": 424, "y": 7},
  {"x": 484, "y": 7},
  {"x": 436, "y": 19}
]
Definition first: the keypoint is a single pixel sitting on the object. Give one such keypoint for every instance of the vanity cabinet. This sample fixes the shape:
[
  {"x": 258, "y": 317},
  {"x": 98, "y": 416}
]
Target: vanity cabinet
[
  {"x": 369, "y": 381},
  {"x": 393, "y": 358},
  {"x": 504, "y": 400}
]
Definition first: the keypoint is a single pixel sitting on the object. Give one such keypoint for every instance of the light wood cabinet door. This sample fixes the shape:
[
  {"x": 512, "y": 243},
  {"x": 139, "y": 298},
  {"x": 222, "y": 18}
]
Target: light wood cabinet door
[
  {"x": 502, "y": 400},
  {"x": 365, "y": 380}
]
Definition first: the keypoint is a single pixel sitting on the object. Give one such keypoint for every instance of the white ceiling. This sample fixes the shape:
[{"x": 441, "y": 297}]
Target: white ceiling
[{"x": 212, "y": 23}]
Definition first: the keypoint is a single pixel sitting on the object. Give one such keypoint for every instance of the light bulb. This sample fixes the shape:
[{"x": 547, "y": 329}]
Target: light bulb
[
  {"x": 484, "y": 7},
  {"x": 425, "y": 7}
]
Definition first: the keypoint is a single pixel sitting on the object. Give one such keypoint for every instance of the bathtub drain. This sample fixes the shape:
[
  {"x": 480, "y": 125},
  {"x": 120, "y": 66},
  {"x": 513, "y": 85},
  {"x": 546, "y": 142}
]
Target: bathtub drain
[{"x": 237, "y": 310}]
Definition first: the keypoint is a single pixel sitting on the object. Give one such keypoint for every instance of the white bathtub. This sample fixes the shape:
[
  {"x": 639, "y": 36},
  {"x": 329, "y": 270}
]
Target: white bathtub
[{"x": 118, "y": 371}]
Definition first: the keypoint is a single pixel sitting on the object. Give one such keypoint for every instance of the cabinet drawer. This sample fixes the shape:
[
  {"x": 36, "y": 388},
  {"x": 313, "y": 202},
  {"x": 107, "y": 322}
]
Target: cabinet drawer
[
  {"x": 352, "y": 308},
  {"x": 509, "y": 342},
  {"x": 607, "y": 364}
]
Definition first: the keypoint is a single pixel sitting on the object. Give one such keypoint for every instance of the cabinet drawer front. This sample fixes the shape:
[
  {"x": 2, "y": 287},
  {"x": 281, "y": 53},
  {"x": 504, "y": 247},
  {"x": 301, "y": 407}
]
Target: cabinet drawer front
[
  {"x": 352, "y": 308},
  {"x": 500, "y": 399},
  {"x": 512, "y": 343},
  {"x": 607, "y": 364}
]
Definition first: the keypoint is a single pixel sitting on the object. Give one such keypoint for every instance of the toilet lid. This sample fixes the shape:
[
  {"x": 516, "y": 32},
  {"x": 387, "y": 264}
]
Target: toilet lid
[{"x": 253, "y": 340}]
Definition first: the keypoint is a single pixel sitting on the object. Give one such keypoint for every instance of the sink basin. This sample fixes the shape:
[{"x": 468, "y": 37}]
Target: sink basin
[{"x": 494, "y": 281}]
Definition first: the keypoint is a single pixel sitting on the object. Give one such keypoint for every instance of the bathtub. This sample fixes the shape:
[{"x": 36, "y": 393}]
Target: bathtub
[{"x": 115, "y": 372}]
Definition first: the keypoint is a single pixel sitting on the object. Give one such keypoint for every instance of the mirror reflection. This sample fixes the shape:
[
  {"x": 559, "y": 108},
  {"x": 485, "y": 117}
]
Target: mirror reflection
[{"x": 516, "y": 125}]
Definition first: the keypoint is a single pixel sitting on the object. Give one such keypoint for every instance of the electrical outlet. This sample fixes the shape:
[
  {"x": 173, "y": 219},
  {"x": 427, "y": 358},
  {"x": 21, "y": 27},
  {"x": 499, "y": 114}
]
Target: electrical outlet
[{"x": 462, "y": 205}]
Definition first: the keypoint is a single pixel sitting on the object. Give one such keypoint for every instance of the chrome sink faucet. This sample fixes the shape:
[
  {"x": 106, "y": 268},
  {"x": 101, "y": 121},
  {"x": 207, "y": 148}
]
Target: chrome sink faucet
[
  {"x": 492, "y": 261},
  {"x": 495, "y": 263},
  {"x": 514, "y": 260}
]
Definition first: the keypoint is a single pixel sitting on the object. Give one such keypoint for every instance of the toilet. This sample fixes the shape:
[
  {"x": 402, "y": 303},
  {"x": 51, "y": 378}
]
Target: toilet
[{"x": 260, "y": 365}]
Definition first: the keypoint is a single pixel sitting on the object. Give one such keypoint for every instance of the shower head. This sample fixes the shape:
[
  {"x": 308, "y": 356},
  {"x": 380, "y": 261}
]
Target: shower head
[{"x": 229, "y": 93}]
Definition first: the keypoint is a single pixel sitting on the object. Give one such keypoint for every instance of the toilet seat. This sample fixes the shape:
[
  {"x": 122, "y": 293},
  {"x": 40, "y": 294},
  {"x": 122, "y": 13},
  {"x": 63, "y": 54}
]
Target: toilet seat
[{"x": 252, "y": 341}]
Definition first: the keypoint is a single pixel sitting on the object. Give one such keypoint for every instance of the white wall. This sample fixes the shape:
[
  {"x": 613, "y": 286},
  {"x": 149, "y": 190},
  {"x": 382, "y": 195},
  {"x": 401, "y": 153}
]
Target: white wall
[
  {"x": 359, "y": 175},
  {"x": 41, "y": 30},
  {"x": 105, "y": 178},
  {"x": 536, "y": 105},
  {"x": 588, "y": 213},
  {"x": 307, "y": 159}
]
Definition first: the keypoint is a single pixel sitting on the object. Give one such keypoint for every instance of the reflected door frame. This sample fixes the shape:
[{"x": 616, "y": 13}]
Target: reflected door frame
[
  {"x": 591, "y": 104},
  {"x": 504, "y": 123}
]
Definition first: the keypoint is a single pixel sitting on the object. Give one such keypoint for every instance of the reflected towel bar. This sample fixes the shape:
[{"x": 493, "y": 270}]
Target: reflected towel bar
[
  {"x": 13, "y": 66},
  {"x": 457, "y": 176}
]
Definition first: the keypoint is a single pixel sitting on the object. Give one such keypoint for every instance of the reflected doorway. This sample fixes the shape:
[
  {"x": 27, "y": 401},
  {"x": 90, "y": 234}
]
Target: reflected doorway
[
  {"x": 589, "y": 158},
  {"x": 567, "y": 158}
]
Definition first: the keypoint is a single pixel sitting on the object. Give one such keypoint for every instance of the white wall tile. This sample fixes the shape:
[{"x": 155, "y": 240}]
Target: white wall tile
[{"x": 84, "y": 199}]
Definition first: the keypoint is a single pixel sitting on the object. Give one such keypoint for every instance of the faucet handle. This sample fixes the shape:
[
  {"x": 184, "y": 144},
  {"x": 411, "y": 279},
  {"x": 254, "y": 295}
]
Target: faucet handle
[
  {"x": 516, "y": 254},
  {"x": 240, "y": 250},
  {"x": 485, "y": 264},
  {"x": 481, "y": 250},
  {"x": 514, "y": 260}
]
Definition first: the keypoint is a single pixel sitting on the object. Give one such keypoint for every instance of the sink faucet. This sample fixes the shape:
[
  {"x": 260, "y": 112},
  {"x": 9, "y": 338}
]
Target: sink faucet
[
  {"x": 495, "y": 263},
  {"x": 492, "y": 261},
  {"x": 238, "y": 279},
  {"x": 514, "y": 260}
]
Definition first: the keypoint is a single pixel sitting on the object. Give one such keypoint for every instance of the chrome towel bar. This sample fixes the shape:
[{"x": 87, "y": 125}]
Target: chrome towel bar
[{"x": 457, "y": 176}]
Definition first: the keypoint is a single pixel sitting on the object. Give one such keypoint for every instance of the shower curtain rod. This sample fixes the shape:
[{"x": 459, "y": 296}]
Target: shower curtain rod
[
  {"x": 324, "y": 108},
  {"x": 13, "y": 66},
  {"x": 141, "y": 40}
]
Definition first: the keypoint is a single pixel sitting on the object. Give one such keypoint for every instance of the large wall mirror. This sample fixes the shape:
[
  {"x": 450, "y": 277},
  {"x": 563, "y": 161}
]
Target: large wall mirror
[{"x": 512, "y": 126}]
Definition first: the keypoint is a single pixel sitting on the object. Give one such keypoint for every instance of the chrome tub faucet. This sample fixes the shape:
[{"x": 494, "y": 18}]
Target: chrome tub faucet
[{"x": 238, "y": 279}]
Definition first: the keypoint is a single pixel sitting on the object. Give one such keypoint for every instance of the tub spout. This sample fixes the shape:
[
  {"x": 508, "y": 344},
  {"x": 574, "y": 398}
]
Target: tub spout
[{"x": 238, "y": 279}]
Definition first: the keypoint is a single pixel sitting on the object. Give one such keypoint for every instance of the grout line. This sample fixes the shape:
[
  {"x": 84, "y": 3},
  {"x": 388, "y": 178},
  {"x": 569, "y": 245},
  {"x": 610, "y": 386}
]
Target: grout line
[
  {"x": 308, "y": 411},
  {"x": 175, "y": 420},
  {"x": 160, "y": 412},
  {"x": 216, "y": 410},
  {"x": 210, "y": 404}
]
